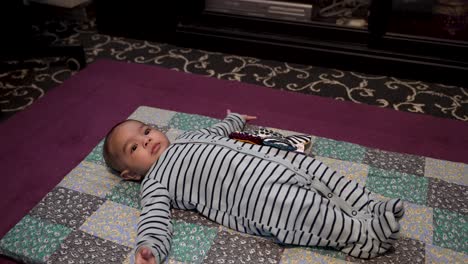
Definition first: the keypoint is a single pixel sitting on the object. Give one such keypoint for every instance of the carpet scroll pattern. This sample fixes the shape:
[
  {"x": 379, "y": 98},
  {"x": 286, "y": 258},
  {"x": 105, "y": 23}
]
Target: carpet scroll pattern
[
  {"x": 91, "y": 215},
  {"x": 20, "y": 88}
]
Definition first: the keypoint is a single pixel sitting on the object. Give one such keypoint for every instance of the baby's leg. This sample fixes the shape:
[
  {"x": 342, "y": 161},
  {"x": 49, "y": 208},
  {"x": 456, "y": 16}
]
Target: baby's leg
[
  {"x": 380, "y": 233},
  {"x": 321, "y": 223},
  {"x": 350, "y": 191}
]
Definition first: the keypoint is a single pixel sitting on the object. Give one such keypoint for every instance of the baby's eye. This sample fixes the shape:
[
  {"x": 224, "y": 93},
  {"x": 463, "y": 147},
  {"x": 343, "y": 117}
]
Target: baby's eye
[
  {"x": 134, "y": 147},
  {"x": 147, "y": 131}
]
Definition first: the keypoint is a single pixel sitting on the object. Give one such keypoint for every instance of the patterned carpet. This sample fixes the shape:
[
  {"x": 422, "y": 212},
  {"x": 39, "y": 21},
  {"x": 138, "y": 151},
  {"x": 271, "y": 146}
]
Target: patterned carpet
[{"x": 21, "y": 87}]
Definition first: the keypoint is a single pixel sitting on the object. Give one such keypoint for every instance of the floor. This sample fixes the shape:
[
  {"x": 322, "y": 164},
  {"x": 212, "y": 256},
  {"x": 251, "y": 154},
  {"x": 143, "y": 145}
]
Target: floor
[{"x": 21, "y": 87}]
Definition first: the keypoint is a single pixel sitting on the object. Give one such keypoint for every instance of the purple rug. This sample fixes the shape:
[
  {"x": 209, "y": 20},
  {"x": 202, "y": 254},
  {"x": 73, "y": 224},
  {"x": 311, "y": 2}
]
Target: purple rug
[{"x": 43, "y": 143}]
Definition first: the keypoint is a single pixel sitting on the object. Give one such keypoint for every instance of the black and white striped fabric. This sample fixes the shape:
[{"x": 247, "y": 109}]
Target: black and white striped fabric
[{"x": 259, "y": 190}]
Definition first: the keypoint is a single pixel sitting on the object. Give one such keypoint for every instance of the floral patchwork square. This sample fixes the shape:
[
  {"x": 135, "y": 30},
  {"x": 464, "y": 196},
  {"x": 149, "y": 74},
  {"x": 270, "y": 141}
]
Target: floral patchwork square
[
  {"x": 450, "y": 230},
  {"x": 234, "y": 247},
  {"x": 173, "y": 133},
  {"x": 80, "y": 247},
  {"x": 450, "y": 196},
  {"x": 66, "y": 207},
  {"x": 91, "y": 178},
  {"x": 186, "y": 122},
  {"x": 405, "y": 250},
  {"x": 127, "y": 193},
  {"x": 96, "y": 154},
  {"x": 351, "y": 170},
  {"x": 159, "y": 117},
  {"x": 162, "y": 129},
  {"x": 302, "y": 255},
  {"x": 395, "y": 161},
  {"x": 338, "y": 150},
  {"x": 435, "y": 254},
  {"x": 33, "y": 240},
  {"x": 448, "y": 171},
  {"x": 191, "y": 242},
  {"x": 398, "y": 185},
  {"x": 114, "y": 222},
  {"x": 417, "y": 223}
]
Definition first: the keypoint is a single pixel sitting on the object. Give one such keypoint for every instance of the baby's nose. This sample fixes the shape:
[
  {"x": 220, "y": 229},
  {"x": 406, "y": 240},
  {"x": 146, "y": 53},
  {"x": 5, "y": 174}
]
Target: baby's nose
[{"x": 147, "y": 141}]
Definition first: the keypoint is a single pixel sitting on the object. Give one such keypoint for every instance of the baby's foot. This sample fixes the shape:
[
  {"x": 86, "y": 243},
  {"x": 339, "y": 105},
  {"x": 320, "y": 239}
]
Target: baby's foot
[
  {"x": 378, "y": 235},
  {"x": 385, "y": 227},
  {"x": 394, "y": 205},
  {"x": 369, "y": 248}
]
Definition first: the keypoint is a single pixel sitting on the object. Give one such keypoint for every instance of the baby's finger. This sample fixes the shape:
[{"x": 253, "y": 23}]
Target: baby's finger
[
  {"x": 248, "y": 118},
  {"x": 228, "y": 111}
]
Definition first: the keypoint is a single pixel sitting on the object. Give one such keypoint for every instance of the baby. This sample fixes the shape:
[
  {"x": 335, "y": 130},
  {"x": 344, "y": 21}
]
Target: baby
[{"x": 255, "y": 189}]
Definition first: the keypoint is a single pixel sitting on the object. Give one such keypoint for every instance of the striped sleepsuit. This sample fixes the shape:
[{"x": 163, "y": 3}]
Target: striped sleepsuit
[{"x": 262, "y": 191}]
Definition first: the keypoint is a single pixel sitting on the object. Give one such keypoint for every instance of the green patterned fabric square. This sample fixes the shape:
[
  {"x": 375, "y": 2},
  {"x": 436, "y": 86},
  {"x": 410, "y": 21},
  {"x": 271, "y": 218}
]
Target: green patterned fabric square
[
  {"x": 191, "y": 242},
  {"x": 96, "y": 154},
  {"x": 127, "y": 193},
  {"x": 338, "y": 150},
  {"x": 33, "y": 240},
  {"x": 450, "y": 230},
  {"x": 187, "y": 122},
  {"x": 395, "y": 184}
]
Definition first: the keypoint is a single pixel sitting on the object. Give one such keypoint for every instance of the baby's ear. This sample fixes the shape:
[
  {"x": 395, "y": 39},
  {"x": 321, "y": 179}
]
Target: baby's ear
[{"x": 130, "y": 176}]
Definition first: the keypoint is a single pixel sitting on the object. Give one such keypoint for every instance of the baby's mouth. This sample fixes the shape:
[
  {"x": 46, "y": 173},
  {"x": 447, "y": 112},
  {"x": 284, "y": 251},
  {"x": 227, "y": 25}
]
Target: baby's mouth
[{"x": 155, "y": 148}]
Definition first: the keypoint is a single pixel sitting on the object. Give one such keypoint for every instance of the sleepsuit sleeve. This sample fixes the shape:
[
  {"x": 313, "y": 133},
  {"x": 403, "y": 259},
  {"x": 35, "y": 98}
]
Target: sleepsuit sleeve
[
  {"x": 233, "y": 122},
  {"x": 154, "y": 226}
]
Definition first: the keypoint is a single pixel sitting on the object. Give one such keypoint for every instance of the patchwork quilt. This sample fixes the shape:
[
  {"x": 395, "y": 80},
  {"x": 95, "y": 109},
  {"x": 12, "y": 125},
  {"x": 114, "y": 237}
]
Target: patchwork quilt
[{"x": 91, "y": 215}]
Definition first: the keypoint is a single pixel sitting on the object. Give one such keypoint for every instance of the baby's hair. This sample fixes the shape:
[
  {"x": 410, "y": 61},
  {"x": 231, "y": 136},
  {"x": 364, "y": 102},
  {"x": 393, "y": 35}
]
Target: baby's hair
[{"x": 110, "y": 158}]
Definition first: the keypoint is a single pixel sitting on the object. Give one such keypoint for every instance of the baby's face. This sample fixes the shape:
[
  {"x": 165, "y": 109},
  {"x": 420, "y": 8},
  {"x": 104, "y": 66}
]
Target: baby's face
[{"x": 137, "y": 146}]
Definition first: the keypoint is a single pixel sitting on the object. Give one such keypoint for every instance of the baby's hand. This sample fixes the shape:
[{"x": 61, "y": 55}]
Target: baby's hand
[
  {"x": 144, "y": 256},
  {"x": 246, "y": 117}
]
